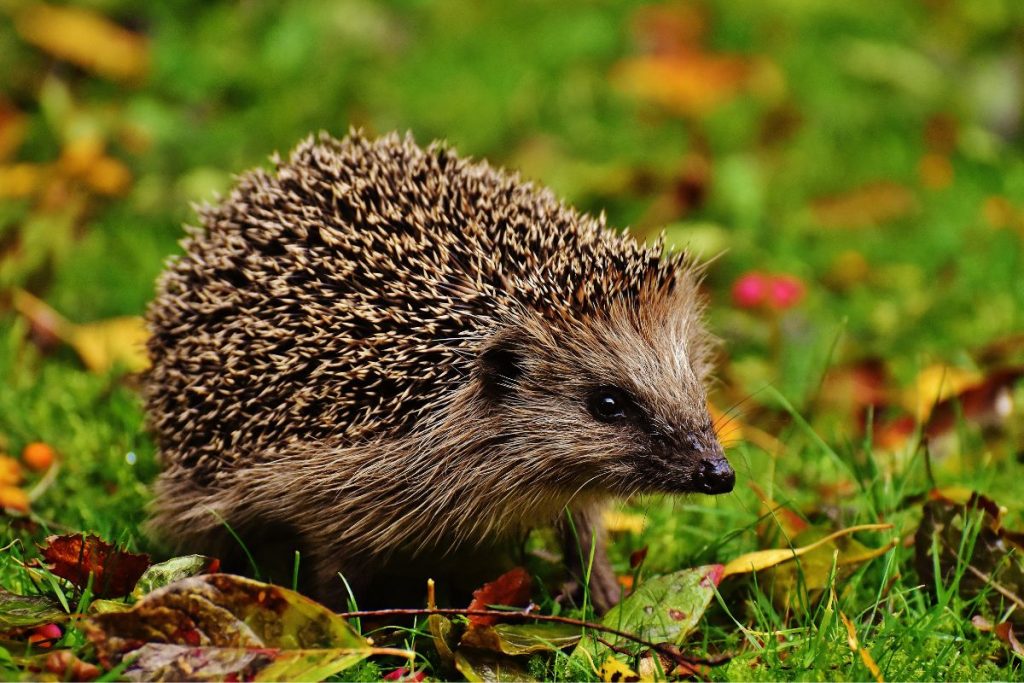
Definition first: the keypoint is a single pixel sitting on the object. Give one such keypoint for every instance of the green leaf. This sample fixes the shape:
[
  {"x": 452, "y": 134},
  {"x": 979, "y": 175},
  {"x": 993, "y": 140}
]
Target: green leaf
[
  {"x": 174, "y": 569},
  {"x": 663, "y": 609},
  {"x": 481, "y": 665},
  {"x": 24, "y": 611},
  {"x": 521, "y": 639}
]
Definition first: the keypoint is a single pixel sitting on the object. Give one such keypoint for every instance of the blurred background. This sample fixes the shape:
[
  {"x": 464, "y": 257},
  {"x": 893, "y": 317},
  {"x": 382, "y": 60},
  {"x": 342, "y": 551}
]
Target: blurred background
[{"x": 854, "y": 168}]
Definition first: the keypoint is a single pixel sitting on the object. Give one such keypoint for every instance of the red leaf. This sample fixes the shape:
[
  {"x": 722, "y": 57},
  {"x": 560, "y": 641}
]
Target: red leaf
[
  {"x": 511, "y": 588},
  {"x": 637, "y": 557},
  {"x": 74, "y": 557}
]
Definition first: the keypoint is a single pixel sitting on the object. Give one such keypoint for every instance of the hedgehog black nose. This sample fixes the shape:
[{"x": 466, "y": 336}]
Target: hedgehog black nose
[{"x": 715, "y": 475}]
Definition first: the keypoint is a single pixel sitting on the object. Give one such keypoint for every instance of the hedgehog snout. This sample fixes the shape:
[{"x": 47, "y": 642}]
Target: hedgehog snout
[{"x": 713, "y": 474}]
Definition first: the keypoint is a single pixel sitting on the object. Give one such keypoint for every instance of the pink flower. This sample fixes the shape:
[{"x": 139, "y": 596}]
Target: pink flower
[
  {"x": 767, "y": 290},
  {"x": 786, "y": 291},
  {"x": 44, "y": 636},
  {"x": 751, "y": 290}
]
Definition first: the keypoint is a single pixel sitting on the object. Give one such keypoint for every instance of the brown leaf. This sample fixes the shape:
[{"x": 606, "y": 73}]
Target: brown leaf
[
  {"x": 866, "y": 206},
  {"x": 1003, "y": 631},
  {"x": 511, "y": 588},
  {"x": 994, "y": 568},
  {"x": 74, "y": 557},
  {"x": 637, "y": 557},
  {"x": 85, "y": 38}
]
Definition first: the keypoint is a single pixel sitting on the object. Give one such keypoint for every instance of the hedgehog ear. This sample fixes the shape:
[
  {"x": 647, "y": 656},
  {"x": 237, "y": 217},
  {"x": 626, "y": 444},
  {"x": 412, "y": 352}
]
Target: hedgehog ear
[{"x": 501, "y": 365}]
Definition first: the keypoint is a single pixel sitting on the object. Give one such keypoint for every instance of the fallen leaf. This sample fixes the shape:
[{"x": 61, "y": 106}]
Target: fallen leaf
[
  {"x": 1003, "y": 631},
  {"x": 219, "y": 626},
  {"x": 101, "y": 345},
  {"x": 521, "y": 639},
  {"x": 863, "y": 207},
  {"x": 478, "y": 666},
  {"x": 637, "y": 557},
  {"x": 935, "y": 384},
  {"x": 812, "y": 572},
  {"x": 76, "y": 557},
  {"x": 994, "y": 567},
  {"x": 619, "y": 521},
  {"x": 27, "y": 611},
  {"x": 662, "y": 609},
  {"x": 84, "y": 38},
  {"x": 764, "y": 559},
  {"x": 105, "y": 344},
  {"x": 174, "y": 569},
  {"x": 614, "y": 670},
  {"x": 511, "y": 588},
  {"x": 987, "y": 403},
  {"x": 445, "y": 641}
]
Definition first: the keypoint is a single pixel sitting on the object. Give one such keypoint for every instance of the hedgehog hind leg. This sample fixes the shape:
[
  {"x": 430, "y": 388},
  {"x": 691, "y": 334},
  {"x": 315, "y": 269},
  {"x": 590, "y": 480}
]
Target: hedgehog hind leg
[
  {"x": 186, "y": 517},
  {"x": 220, "y": 522}
]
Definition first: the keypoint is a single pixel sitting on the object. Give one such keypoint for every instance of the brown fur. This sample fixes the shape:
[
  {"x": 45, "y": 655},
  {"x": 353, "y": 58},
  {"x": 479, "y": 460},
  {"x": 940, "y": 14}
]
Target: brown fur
[{"x": 388, "y": 353}]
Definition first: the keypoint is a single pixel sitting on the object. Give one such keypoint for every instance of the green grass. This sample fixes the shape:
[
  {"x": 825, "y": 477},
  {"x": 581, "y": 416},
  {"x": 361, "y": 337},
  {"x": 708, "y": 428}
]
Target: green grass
[{"x": 845, "y": 94}]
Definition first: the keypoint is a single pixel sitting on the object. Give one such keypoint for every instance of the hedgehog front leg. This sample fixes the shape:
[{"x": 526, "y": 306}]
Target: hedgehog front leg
[{"x": 585, "y": 533}]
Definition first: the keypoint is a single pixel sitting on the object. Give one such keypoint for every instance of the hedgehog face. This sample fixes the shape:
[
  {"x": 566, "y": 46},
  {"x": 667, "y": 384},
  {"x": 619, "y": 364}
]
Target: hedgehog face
[{"x": 617, "y": 400}]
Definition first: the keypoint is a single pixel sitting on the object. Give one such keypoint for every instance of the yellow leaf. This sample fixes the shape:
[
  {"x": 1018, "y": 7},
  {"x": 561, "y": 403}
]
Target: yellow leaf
[
  {"x": 865, "y": 656},
  {"x": 934, "y": 384},
  {"x": 763, "y": 559},
  {"x": 622, "y": 522},
  {"x": 101, "y": 345},
  {"x": 117, "y": 341},
  {"x": 80, "y": 154},
  {"x": 20, "y": 180},
  {"x": 109, "y": 176},
  {"x": 614, "y": 670},
  {"x": 85, "y": 38}
]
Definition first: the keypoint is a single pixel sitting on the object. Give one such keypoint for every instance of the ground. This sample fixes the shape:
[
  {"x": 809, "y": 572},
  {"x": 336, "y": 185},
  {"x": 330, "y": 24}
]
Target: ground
[{"x": 852, "y": 170}]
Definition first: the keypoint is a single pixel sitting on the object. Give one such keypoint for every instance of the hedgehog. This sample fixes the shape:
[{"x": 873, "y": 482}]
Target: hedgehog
[{"x": 398, "y": 362}]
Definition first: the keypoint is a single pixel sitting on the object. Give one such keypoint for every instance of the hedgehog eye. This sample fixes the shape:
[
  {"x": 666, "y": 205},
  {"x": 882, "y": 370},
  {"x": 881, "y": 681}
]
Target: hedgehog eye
[{"x": 608, "y": 404}]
